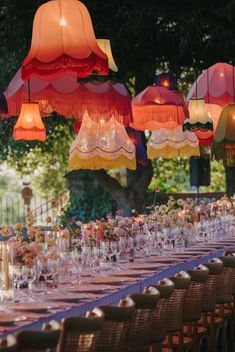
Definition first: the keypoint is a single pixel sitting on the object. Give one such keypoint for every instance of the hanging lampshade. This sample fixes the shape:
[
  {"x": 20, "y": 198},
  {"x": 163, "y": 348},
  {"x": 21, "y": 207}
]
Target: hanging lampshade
[
  {"x": 205, "y": 137},
  {"x": 223, "y": 146},
  {"x": 198, "y": 117},
  {"x": 72, "y": 99},
  {"x": 167, "y": 143},
  {"x": 29, "y": 125},
  {"x": 105, "y": 46},
  {"x": 63, "y": 42},
  {"x": 167, "y": 80},
  {"x": 157, "y": 107},
  {"x": 215, "y": 85},
  {"x": 103, "y": 145},
  {"x": 136, "y": 137}
]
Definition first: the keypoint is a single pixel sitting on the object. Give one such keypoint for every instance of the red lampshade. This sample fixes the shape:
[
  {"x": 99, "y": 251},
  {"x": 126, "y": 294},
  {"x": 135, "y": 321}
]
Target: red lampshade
[
  {"x": 71, "y": 99},
  {"x": 63, "y": 42},
  {"x": 157, "y": 107},
  {"x": 29, "y": 125},
  {"x": 215, "y": 85}
]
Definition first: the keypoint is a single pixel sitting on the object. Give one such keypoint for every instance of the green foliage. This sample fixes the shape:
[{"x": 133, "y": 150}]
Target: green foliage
[
  {"x": 171, "y": 175},
  {"x": 88, "y": 200},
  {"x": 47, "y": 161}
]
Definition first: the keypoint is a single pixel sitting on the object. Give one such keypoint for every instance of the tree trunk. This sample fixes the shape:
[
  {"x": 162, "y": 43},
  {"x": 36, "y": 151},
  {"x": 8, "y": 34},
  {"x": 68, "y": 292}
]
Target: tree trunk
[
  {"x": 230, "y": 181},
  {"x": 131, "y": 197}
]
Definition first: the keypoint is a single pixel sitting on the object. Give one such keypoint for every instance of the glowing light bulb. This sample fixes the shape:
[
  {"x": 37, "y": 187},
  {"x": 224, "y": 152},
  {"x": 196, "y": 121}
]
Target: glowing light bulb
[
  {"x": 221, "y": 74},
  {"x": 166, "y": 83},
  {"x": 63, "y": 22},
  {"x": 233, "y": 117},
  {"x": 102, "y": 121},
  {"x": 28, "y": 119}
]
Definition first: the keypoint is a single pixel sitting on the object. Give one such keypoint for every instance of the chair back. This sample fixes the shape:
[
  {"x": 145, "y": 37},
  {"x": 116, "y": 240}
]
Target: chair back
[
  {"x": 231, "y": 263},
  {"x": 193, "y": 299},
  {"x": 115, "y": 330},
  {"x": 139, "y": 338},
  {"x": 80, "y": 334},
  {"x": 37, "y": 341},
  {"x": 8, "y": 344},
  {"x": 209, "y": 290},
  {"x": 166, "y": 289},
  {"x": 224, "y": 281},
  {"x": 175, "y": 305}
]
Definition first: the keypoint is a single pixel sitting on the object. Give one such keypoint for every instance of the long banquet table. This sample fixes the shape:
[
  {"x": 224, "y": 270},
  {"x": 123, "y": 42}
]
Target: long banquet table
[{"x": 159, "y": 268}]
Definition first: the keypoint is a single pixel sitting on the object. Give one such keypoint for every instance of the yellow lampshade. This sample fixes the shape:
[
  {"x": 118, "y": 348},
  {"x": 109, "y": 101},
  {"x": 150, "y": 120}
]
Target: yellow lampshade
[
  {"x": 105, "y": 46},
  {"x": 103, "y": 145},
  {"x": 166, "y": 143},
  {"x": 29, "y": 125},
  {"x": 198, "y": 116}
]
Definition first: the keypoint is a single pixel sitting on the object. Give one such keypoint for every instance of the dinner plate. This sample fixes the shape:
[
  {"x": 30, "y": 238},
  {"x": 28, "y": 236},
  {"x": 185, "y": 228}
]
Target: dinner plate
[
  {"x": 90, "y": 288},
  {"x": 113, "y": 280},
  {"x": 63, "y": 298},
  {"x": 11, "y": 318},
  {"x": 34, "y": 306},
  {"x": 132, "y": 273}
]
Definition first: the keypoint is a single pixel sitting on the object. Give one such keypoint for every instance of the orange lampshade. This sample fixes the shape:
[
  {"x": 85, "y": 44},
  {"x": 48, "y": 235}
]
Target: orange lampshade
[
  {"x": 29, "y": 125},
  {"x": 63, "y": 42},
  {"x": 157, "y": 107}
]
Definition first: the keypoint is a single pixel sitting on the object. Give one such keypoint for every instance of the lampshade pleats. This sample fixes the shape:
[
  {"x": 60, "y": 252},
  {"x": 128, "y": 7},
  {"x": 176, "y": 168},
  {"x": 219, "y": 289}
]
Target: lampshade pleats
[{"x": 63, "y": 42}]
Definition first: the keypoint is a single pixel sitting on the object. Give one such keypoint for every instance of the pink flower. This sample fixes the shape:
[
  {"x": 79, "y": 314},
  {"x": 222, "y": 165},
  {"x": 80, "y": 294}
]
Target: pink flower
[{"x": 119, "y": 232}]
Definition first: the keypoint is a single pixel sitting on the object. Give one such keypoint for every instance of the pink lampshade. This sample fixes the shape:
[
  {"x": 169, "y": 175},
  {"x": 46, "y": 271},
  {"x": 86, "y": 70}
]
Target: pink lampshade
[
  {"x": 215, "y": 85},
  {"x": 63, "y": 42},
  {"x": 71, "y": 99},
  {"x": 157, "y": 107}
]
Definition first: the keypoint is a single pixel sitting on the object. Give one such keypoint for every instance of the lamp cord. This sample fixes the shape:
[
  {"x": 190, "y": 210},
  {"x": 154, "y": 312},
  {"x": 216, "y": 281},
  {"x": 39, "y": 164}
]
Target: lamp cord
[
  {"x": 29, "y": 93},
  {"x": 233, "y": 87}
]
